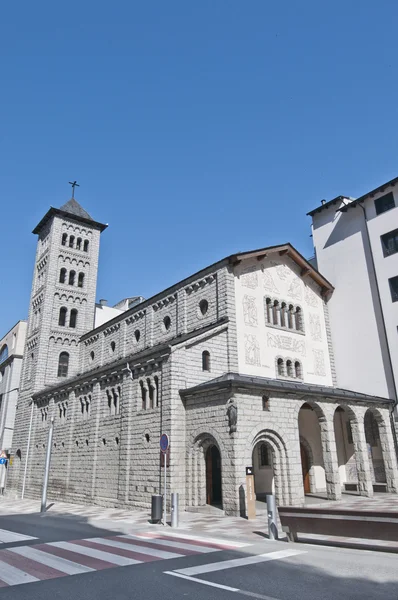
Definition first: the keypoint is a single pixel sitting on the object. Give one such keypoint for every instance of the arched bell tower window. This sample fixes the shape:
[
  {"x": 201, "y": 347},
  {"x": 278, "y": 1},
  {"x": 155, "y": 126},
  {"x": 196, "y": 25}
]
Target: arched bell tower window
[
  {"x": 63, "y": 364},
  {"x": 206, "y": 360},
  {"x": 73, "y": 318},
  {"x": 62, "y": 316},
  {"x": 80, "y": 281},
  {"x": 85, "y": 246},
  {"x": 64, "y": 239},
  {"x": 78, "y": 243},
  {"x": 72, "y": 275},
  {"x": 71, "y": 241},
  {"x": 62, "y": 275}
]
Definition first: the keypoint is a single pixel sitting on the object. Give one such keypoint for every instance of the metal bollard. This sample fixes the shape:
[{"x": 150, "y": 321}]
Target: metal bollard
[
  {"x": 272, "y": 517},
  {"x": 174, "y": 509}
]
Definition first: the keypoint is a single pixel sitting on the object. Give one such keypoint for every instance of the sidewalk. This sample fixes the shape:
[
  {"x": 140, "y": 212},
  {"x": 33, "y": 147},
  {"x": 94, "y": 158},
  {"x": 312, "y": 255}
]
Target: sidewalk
[{"x": 209, "y": 524}]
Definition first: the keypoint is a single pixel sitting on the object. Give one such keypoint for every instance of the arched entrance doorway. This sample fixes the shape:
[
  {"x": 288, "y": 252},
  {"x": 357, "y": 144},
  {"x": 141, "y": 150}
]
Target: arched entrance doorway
[
  {"x": 305, "y": 467},
  {"x": 213, "y": 476},
  {"x": 262, "y": 461}
]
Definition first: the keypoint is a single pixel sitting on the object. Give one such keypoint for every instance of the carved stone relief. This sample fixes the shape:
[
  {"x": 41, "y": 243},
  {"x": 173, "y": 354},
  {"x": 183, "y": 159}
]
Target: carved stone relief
[
  {"x": 315, "y": 327},
  {"x": 250, "y": 311},
  {"x": 249, "y": 278},
  {"x": 319, "y": 363},
  {"x": 284, "y": 342},
  {"x": 269, "y": 283},
  {"x": 252, "y": 350},
  {"x": 310, "y": 297},
  {"x": 295, "y": 289},
  {"x": 282, "y": 271}
]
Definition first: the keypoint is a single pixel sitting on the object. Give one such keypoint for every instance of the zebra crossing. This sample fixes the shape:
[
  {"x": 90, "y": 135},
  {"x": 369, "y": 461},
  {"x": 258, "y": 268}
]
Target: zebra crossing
[
  {"x": 38, "y": 562},
  {"x": 9, "y": 537}
]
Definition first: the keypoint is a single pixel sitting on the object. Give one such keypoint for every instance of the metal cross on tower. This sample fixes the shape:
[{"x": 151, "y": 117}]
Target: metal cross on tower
[{"x": 73, "y": 184}]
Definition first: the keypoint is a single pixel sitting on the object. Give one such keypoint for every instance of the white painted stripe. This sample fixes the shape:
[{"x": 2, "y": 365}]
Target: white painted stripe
[
  {"x": 339, "y": 517},
  {"x": 239, "y": 562},
  {"x": 136, "y": 548},
  {"x": 115, "y": 559},
  {"x": 14, "y": 576},
  {"x": 217, "y": 585},
  {"x": 220, "y": 586},
  {"x": 196, "y": 538},
  {"x": 62, "y": 564},
  {"x": 176, "y": 544},
  {"x": 7, "y": 537}
]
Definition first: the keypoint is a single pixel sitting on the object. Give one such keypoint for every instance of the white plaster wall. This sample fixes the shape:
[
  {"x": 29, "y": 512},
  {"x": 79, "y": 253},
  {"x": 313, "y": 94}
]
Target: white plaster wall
[
  {"x": 342, "y": 257},
  {"x": 260, "y": 344}
]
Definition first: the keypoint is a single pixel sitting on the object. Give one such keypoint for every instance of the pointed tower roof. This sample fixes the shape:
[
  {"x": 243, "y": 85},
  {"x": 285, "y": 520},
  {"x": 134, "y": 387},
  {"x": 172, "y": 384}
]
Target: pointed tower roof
[{"x": 72, "y": 210}]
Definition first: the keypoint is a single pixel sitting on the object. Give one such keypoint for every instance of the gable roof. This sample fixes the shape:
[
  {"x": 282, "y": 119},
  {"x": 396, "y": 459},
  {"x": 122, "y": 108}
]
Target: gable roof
[{"x": 70, "y": 209}]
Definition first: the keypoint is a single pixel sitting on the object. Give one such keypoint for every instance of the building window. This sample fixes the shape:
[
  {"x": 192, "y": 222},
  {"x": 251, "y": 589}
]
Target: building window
[
  {"x": 289, "y": 368},
  {"x": 263, "y": 456},
  {"x": 280, "y": 367},
  {"x": 389, "y": 242},
  {"x": 137, "y": 335},
  {"x": 167, "y": 323},
  {"x": 62, "y": 275},
  {"x": 156, "y": 379},
  {"x": 62, "y": 410},
  {"x": 151, "y": 394},
  {"x": 73, "y": 318},
  {"x": 80, "y": 281},
  {"x": 384, "y": 203},
  {"x": 71, "y": 241},
  {"x": 286, "y": 316},
  {"x": 85, "y": 246},
  {"x": 63, "y": 364},
  {"x": 85, "y": 406},
  {"x": 3, "y": 353},
  {"x": 205, "y": 361},
  {"x": 203, "y": 307},
  {"x": 72, "y": 275},
  {"x": 112, "y": 348},
  {"x": 394, "y": 288},
  {"x": 64, "y": 239},
  {"x": 297, "y": 370},
  {"x": 143, "y": 395},
  {"x": 92, "y": 356},
  {"x": 265, "y": 400},
  {"x": 62, "y": 316},
  {"x": 78, "y": 243}
]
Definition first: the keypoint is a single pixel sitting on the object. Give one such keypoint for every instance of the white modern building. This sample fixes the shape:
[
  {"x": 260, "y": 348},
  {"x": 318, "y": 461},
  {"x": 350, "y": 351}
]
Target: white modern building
[
  {"x": 11, "y": 354},
  {"x": 356, "y": 248}
]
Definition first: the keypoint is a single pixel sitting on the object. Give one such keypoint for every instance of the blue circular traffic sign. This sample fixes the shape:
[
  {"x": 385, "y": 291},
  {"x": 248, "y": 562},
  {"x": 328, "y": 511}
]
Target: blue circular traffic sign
[
  {"x": 164, "y": 442},
  {"x": 3, "y": 461}
]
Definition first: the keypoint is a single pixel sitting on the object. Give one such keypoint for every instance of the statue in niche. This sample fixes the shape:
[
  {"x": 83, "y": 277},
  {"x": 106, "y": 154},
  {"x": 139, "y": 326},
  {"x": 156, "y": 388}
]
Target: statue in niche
[{"x": 232, "y": 414}]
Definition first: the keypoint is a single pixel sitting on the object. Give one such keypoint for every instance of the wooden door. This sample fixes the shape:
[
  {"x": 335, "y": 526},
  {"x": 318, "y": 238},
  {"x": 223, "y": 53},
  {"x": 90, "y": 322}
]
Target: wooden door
[{"x": 305, "y": 469}]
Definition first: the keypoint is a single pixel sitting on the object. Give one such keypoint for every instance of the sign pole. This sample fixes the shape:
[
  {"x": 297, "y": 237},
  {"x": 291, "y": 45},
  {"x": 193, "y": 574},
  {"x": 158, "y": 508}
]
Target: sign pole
[{"x": 164, "y": 445}]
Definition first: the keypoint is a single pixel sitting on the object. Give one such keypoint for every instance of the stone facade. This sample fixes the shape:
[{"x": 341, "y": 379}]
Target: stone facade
[{"x": 198, "y": 361}]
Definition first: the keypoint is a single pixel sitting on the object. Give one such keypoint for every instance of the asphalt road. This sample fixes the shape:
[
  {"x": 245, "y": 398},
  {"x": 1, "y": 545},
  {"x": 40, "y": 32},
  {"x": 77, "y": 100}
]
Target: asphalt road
[{"x": 266, "y": 570}]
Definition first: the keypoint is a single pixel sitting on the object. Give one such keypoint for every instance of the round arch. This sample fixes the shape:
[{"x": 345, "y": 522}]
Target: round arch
[{"x": 205, "y": 460}]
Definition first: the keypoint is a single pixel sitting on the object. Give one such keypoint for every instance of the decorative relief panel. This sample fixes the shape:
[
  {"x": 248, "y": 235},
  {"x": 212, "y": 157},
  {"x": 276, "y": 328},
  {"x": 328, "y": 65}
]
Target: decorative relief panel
[
  {"x": 315, "y": 327},
  {"x": 295, "y": 289},
  {"x": 310, "y": 297},
  {"x": 249, "y": 278},
  {"x": 252, "y": 350},
  {"x": 319, "y": 363},
  {"x": 250, "y": 311},
  {"x": 284, "y": 342},
  {"x": 269, "y": 283},
  {"x": 282, "y": 271}
]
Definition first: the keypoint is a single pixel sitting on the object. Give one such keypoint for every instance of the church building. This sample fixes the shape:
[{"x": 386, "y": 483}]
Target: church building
[{"x": 235, "y": 363}]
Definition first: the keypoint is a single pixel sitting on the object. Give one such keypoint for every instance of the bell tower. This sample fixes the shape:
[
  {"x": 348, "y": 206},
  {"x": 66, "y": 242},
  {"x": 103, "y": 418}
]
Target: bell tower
[{"x": 62, "y": 301}]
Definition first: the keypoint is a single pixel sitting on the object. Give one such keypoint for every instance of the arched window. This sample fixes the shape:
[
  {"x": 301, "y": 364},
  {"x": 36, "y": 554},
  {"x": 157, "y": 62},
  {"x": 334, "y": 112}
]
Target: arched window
[
  {"x": 265, "y": 401},
  {"x": 275, "y": 310},
  {"x": 72, "y": 275},
  {"x": 156, "y": 379},
  {"x": 4, "y": 353},
  {"x": 143, "y": 395},
  {"x": 64, "y": 239},
  {"x": 280, "y": 368},
  {"x": 62, "y": 316},
  {"x": 85, "y": 246},
  {"x": 205, "y": 361},
  {"x": 71, "y": 241},
  {"x": 151, "y": 391},
  {"x": 268, "y": 309},
  {"x": 78, "y": 243},
  {"x": 62, "y": 275},
  {"x": 283, "y": 314},
  {"x": 289, "y": 368},
  {"x": 80, "y": 281},
  {"x": 290, "y": 316},
  {"x": 63, "y": 364},
  {"x": 264, "y": 456},
  {"x": 297, "y": 370},
  {"x": 73, "y": 318},
  {"x": 297, "y": 316}
]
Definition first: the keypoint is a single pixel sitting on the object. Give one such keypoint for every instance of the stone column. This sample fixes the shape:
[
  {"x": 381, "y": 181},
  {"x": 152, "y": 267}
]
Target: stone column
[
  {"x": 365, "y": 486},
  {"x": 328, "y": 440},
  {"x": 388, "y": 452}
]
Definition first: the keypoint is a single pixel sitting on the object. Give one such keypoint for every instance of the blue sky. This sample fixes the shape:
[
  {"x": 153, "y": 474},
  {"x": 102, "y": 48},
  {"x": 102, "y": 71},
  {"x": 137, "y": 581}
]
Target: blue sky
[{"x": 195, "y": 129}]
